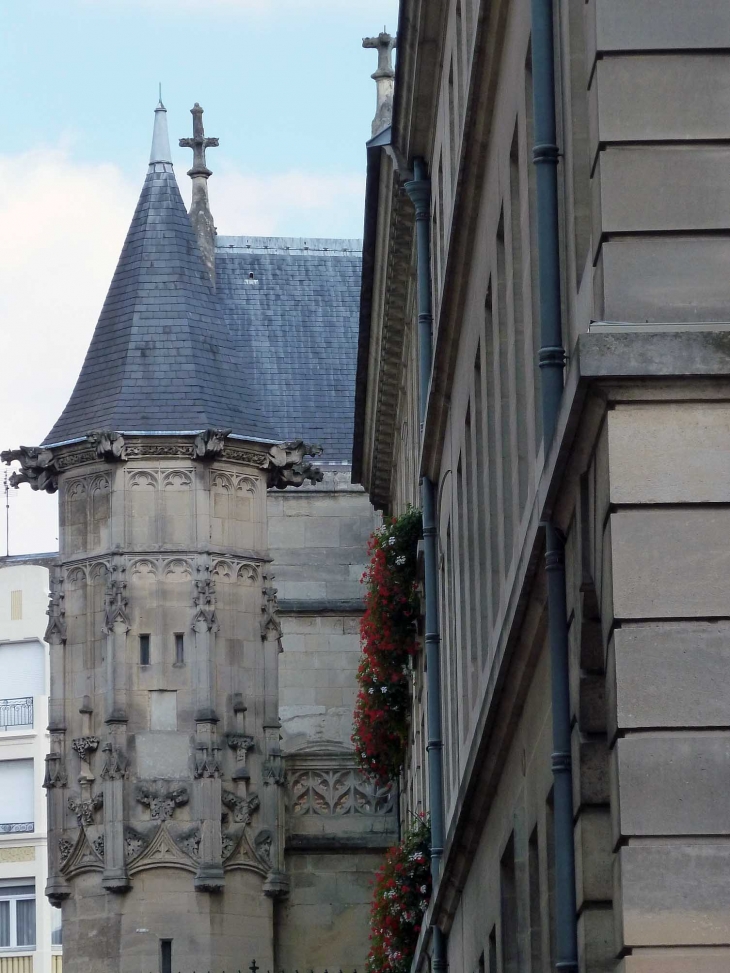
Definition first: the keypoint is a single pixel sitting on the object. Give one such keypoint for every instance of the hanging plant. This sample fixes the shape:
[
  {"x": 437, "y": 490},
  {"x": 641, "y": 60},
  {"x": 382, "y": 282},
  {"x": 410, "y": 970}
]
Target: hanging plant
[
  {"x": 400, "y": 898},
  {"x": 388, "y": 639}
]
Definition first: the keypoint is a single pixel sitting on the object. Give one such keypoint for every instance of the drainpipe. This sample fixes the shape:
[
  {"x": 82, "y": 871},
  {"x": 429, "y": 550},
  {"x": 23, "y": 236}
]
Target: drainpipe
[
  {"x": 552, "y": 363},
  {"x": 419, "y": 190}
]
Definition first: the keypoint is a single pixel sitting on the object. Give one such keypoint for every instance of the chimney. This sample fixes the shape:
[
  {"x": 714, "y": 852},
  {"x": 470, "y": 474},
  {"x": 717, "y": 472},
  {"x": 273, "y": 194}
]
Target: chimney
[{"x": 383, "y": 77}]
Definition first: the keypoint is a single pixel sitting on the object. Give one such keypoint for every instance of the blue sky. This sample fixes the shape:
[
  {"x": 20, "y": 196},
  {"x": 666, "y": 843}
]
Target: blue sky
[
  {"x": 284, "y": 83},
  {"x": 286, "y": 88}
]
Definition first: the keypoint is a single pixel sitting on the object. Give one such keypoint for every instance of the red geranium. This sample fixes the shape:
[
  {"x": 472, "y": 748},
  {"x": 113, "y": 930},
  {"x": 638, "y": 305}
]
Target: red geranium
[{"x": 388, "y": 638}]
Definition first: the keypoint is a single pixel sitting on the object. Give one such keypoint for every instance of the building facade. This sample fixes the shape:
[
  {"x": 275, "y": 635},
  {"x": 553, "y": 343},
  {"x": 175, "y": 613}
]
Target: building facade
[
  {"x": 205, "y": 809},
  {"x": 30, "y": 928},
  {"x": 550, "y": 202}
]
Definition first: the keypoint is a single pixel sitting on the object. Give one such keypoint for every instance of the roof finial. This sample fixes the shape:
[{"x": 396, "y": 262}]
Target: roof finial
[
  {"x": 160, "y": 140},
  {"x": 384, "y": 44},
  {"x": 200, "y": 215}
]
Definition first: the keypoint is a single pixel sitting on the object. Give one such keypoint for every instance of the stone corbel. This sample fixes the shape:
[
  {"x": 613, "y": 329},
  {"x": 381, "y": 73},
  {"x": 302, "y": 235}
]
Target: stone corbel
[
  {"x": 37, "y": 467},
  {"x": 108, "y": 445},
  {"x": 240, "y": 743},
  {"x": 210, "y": 444},
  {"x": 241, "y": 808},
  {"x": 161, "y": 800},
  {"x": 287, "y": 465}
]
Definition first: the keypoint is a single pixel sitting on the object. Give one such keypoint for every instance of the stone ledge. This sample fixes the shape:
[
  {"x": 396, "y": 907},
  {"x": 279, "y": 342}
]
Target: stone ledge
[
  {"x": 327, "y": 842},
  {"x": 321, "y": 606}
]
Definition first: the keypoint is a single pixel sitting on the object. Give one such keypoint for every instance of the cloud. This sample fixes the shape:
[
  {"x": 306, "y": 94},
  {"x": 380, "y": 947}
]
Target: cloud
[{"x": 63, "y": 224}]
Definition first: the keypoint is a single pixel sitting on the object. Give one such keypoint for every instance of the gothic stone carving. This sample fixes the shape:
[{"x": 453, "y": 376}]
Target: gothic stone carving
[
  {"x": 115, "y": 763},
  {"x": 56, "y": 628},
  {"x": 134, "y": 843},
  {"x": 241, "y": 808},
  {"x": 270, "y": 624},
  {"x": 204, "y": 598},
  {"x": 65, "y": 847},
  {"x": 98, "y": 845},
  {"x": 84, "y": 746},
  {"x": 207, "y": 761},
  {"x": 37, "y": 467},
  {"x": 262, "y": 845},
  {"x": 210, "y": 443},
  {"x": 55, "y": 771},
  {"x": 240, "y": 743},
  {"x": 115, "y": 599},
  {"x": 160, "y": 799},
  {"x": 108, "y": 445},
  {"x": 84, "y": 810},
  {"x": 287, "y": 465},
  {"x": 338, "y": 792},
  {"x": 189, "y": 841}
]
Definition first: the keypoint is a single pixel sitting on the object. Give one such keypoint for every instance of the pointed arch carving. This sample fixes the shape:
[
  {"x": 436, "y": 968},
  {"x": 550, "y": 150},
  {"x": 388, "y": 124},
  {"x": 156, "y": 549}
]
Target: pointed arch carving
[
  {"x": 248, "y": 573},
  {"x": 176, "y": 480},
  {"x": 223, "y": 571},
  {"x": 247, "y": 484},
  {"x": 143, "y": 569},
  {"x": 76, "y": 489},
  {"x": 100, "y": 483},
  {"x": 143, "y": 480},
  {"x": 221, "y": 481},
  {"x": 76, "y": 576},
  {"x": 177, "y": 569},
  {"x": 98, "y": 572}
]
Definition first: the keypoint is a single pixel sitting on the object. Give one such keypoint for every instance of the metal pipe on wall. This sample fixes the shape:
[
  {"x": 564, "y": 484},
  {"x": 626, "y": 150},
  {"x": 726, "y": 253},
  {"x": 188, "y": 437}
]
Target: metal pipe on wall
[
  {"x": 552, "y": 364},
  {"x": 419, "y": 190}
]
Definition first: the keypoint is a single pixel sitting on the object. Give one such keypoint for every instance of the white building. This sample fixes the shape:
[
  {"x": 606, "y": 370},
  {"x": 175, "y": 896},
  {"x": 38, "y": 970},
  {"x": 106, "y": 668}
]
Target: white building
[{"x": 30, "y": 929}]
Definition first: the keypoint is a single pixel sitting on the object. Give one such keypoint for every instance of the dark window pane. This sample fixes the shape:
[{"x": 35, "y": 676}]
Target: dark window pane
[
  {"x": 179, "y": 648},
  {"x": 25, "y": 921},
  {"x": 144, "y": 650},
  {"x": 4, "y": 923}
]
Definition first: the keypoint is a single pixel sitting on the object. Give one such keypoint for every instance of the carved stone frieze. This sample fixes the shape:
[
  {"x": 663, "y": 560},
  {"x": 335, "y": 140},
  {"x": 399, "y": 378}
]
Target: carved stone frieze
[
  {"x": 241, "y": 808},
  {"x": 338, "y": 792},
  {"x": 37, "y": 467},
  {"x": 115, "y": 763},
  {"x": 162, "y": 850},
  {"x": 134, "y": 843},
  {"x": 76, "y": 457},
  {"x": 84, "y": 810},
  {"x": 210, "y": 443},
  {"x": 263, "y": 843},
  {"x": 56, "y": 629},
  {"x": 287, "y": 464},
  {"x": 98, "y": 845},
  {"x": 108, "y": 445},
  {"x": 161, "y": 799}
]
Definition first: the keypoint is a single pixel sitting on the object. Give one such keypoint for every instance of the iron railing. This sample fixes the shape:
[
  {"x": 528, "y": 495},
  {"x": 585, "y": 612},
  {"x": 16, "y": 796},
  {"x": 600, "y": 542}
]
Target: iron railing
[
  {"x": 17, "y": 827},
  {"x": 16, "y": 712}
]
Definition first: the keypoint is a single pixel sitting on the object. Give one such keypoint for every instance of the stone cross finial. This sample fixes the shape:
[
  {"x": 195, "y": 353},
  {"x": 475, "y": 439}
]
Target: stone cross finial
[
  {"x": 383, "y": 76},
  {"x": 198, "y": 143}
]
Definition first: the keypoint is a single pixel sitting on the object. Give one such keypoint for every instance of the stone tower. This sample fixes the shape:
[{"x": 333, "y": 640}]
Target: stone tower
[{"x": 165, "y": 775}]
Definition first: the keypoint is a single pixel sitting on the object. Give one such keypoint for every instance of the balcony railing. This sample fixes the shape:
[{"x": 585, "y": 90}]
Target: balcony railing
[
  {"x": 16, "y": 712},
  {"x": 17, "y": 827}
]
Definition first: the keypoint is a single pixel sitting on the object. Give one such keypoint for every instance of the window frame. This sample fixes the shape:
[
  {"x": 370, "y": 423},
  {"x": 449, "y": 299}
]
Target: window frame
[
  {"x": 145, "y": 649},
  {"x": 13, "y": 899}
]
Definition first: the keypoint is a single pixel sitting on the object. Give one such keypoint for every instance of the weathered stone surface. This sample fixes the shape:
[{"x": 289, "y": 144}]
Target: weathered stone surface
[
  {"x": 674, "y": 893},
  {"x": 671, "y": 562},
  {"x": 670, "y": 453},
  {"x": 596, "y": 951},
  {"x": 676, "y": 961},
  {"x": 636, "y": 25},
  {"x": 593, "y": 856},
  {"x": 688, "y": 774},
  {"x": 670, "y": 674},
  {"x": 656, "y": 279}
]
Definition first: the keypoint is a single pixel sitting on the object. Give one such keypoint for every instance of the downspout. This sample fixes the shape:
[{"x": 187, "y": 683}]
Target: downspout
[
  {"x": 419, "y": 190},
  {"x": 552, "y": 363}
]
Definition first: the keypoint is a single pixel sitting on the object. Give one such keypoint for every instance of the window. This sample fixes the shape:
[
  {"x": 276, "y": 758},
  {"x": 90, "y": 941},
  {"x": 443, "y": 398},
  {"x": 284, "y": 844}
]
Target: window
[
  {"x": 179, "y": 649},
  {"x": 16, "y": 796},
  {"x": 165, "y": 956},
  {"x": 17, "y": 916},
  {"x": 56, "y": 928},
  {"x": 16, "y": 606},
  {"x": 144, "y": 650},
  {"x": 508, "y": 910}
]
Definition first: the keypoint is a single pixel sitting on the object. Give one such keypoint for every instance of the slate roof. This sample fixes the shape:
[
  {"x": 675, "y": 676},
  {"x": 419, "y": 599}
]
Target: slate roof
[
  {"x": 292, "y": 305},
  {"x": 162, "y": 358}
]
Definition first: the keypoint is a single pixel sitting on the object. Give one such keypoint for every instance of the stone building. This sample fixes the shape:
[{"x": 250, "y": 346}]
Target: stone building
[
  {"x": 204, "y": 808},
  {"x": 546, "y": 347}
]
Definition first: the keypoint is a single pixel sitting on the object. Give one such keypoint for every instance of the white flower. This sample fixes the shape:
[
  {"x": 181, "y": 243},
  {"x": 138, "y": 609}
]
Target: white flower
[
  {"x": 383, "y": 689},
  {"x": 371, "y": 690},
  {"x": 401, "y": 559},
  {"x": 391, "y": 541},
  {"x": 422, "y": 889}
]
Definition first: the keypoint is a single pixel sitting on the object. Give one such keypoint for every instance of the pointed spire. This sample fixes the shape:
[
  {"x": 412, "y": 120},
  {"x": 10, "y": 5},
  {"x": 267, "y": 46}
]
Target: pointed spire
[{"x": 160, "y": 139}]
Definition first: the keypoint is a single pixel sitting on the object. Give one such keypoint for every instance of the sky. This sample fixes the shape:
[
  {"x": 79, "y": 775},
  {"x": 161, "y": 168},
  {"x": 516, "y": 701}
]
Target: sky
[{"x": 286, "y": 87}]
